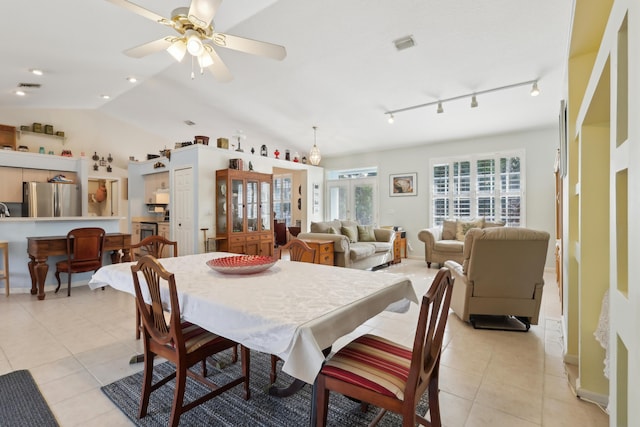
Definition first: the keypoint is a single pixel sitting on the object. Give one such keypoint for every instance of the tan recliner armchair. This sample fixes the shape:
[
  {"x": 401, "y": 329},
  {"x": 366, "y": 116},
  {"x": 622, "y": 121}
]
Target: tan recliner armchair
[{"x": 501, "y": 274}]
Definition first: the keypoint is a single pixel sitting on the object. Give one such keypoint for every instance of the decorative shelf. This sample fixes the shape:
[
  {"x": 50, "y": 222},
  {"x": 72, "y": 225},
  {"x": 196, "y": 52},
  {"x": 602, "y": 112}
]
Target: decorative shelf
[{"x": 28, "y": 132}]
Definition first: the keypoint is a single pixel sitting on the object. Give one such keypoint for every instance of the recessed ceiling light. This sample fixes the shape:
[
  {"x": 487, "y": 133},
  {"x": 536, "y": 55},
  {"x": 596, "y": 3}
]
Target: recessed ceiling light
[
  {"x": 105, "y": 96},
  {"x": 36, "y": 71},
  {"x": 20, "y": 93},
  {"x": 132, "y": 79}
]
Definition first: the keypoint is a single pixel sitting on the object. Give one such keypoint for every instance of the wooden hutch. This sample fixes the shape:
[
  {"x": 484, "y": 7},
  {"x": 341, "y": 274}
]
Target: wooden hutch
[{"x": 244, "y": 214}]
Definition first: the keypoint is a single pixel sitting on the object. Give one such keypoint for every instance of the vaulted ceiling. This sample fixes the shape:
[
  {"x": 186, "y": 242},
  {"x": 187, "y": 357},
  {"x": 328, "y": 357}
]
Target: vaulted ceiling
[{"x": 342, "y": 71}]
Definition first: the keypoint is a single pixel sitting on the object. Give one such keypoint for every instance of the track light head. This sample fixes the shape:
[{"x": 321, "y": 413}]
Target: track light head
[
  {"x": 534, "y": 89},
  {"x": 391, "y": 119},
  {"x": 440, "y": 110},
  {"x": 474, "y": 102}
]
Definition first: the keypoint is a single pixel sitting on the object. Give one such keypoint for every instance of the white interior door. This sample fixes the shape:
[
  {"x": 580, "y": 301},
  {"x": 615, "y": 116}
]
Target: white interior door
[{"x": 182, "y": 210}]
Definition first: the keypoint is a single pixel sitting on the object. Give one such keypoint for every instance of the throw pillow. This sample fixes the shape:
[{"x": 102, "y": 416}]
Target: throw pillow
[
  {"x": 464, "y": 226},
  {"x": 332, "y": 230},
  {"x": 351, "y": 233},
  {"x": 366, "y": 234},
  {"x": 449, "y": 229}
]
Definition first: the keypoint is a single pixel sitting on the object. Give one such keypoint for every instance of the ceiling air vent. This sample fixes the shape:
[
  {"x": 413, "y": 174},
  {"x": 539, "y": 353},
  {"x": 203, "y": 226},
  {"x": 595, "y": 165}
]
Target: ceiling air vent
[
  {"x": 30, "y": 85},
  {"x": 404, "y": 43}
]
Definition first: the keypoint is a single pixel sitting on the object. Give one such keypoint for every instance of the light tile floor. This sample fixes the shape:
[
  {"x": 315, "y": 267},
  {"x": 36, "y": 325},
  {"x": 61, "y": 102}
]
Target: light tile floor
[{"x": 73, "y": 346}]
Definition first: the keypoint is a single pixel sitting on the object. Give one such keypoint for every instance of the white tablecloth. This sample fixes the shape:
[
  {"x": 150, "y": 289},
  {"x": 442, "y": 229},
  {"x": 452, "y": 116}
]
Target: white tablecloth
[{"x": 293, "y": 309}]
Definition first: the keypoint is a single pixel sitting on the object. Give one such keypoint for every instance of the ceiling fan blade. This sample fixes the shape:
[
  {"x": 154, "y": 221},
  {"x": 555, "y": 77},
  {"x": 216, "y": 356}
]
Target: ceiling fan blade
[
  {"x": 142, "y": 11},
  {"x": 254, "y": 47},
  {"x": 201, "y": 12},
  {"x": 149, "y": 48},
  {"x": 218, "y": 68}
]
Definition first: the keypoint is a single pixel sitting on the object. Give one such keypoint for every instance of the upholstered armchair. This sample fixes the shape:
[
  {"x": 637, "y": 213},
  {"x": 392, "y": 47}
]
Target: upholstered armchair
[
  {"x": 501, "y": 274},
  {"x": 445, "y": 242}
]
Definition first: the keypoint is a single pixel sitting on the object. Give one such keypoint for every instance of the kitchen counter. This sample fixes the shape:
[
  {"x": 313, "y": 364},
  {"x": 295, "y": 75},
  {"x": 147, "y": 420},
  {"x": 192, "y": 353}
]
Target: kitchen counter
[
  {"x": 160, "y": 220},
  {"x": 60, "y": 218}
]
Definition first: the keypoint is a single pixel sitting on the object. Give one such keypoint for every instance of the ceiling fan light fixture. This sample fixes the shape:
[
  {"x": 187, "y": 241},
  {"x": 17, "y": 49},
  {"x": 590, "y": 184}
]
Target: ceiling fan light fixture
[
  {"x": 194, "y": 43},
  {"x": 178, "y": 49},
  {"x": 314, "y": 154},
  {"x": 204, "y": 59}
]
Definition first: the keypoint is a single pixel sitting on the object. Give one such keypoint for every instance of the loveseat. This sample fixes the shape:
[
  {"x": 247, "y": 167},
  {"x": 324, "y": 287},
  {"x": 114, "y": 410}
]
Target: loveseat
[
  {"x": 354, "y": 245},
  {"x": 445, "y": 242}
]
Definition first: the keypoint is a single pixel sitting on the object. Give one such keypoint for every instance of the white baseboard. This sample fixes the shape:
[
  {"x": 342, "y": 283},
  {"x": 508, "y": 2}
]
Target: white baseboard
[
  {"x": 590, "y": 396},
  {"x": 571, "y": 359}
]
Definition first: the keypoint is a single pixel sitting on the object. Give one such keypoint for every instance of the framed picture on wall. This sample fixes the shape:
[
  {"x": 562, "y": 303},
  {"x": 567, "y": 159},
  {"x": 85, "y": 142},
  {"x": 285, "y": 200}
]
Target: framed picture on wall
[{"x": 403, "y": 184}]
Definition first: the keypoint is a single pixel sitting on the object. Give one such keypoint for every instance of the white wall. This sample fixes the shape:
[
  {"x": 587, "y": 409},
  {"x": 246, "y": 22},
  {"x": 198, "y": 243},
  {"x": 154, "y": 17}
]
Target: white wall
[
  {"x": 86, "y": 131},
  {"x": 413, "y": 213}
]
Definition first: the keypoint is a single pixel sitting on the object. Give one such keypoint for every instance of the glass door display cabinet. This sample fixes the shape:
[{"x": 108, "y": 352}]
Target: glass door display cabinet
[{"x": 243, "y": 212}]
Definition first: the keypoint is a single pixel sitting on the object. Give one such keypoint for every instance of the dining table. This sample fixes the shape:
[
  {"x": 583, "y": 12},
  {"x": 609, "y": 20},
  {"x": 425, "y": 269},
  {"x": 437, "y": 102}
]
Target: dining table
[{"x": 294, "y": 310}]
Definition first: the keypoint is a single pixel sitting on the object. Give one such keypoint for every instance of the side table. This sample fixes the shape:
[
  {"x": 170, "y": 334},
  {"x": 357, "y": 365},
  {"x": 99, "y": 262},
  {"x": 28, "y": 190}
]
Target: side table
[
  {"x": 399, "y": 247},
  {"x": 324, "y": 250}
]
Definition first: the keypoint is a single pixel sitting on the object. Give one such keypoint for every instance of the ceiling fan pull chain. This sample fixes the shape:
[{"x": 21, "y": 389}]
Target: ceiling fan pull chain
[{"x": 193, "y": 75}]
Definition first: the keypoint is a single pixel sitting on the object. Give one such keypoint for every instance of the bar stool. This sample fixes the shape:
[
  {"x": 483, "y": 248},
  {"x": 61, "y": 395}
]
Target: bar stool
[{"x": 4, "y": 274}]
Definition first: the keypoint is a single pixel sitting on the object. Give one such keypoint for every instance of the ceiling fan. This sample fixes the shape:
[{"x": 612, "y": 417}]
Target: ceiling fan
[{"x": 197, "y": 35}]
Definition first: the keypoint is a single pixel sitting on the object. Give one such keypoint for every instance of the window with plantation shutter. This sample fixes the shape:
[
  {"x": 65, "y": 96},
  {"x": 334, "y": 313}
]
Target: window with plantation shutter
[{"x": 479, "y": 185}]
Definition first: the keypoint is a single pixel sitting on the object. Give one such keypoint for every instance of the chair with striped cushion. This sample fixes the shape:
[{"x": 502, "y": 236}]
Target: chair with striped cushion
[
  {"x": 182, "y": 343},
  {"x": 380, "y": 372}
]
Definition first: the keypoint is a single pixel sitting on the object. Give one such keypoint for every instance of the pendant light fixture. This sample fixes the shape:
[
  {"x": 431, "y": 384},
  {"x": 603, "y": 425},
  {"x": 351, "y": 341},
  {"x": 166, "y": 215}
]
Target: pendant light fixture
[{"x": 314, "y": 154}]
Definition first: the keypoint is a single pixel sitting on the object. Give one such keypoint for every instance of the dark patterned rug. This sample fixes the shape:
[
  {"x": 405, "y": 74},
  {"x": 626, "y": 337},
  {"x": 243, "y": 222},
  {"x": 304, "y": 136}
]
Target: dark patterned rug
[
  {"x": 21, "y": 403},
  {"x": 229, "y": 409}
]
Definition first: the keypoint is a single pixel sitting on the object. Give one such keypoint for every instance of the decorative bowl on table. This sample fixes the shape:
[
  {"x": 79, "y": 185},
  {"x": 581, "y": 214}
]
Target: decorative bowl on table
[{"x": 241, "y": 264}]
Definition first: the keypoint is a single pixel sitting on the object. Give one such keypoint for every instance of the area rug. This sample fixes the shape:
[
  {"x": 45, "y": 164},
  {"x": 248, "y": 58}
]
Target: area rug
[
  {"x": 230, "y": 409},
  {"x": 21, "y": 403}
]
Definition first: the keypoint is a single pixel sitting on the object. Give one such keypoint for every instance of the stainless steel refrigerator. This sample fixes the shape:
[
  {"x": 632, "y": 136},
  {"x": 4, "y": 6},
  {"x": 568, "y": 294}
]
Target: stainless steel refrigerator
[{"x": 50, "y": 199}]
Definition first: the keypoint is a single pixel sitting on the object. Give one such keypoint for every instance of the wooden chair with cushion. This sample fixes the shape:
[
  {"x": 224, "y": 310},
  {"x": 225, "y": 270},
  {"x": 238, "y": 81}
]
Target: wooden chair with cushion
[
  {"x": 301, "y": 252},
  {"x": 380, "y": 372},
  {"x": 84, "y": 253},
  {"x": 157, "y": 246},
  {"x": 180, "y": 342}
]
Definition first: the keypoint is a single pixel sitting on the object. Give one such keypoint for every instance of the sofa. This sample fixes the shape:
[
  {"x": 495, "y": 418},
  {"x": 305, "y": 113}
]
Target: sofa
[
  {"x": 445, "y": 242},
  {"x": 354, "y": 245},
  {"x": 501, "y": 274}
]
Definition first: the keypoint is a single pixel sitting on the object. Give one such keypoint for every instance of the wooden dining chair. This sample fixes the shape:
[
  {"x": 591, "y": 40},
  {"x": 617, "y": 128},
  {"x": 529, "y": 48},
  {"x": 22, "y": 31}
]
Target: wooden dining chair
[
  {"x": 180, "y": 342},
  {"x": 84, "y": 253},
  {"x": 301, "y": 252},
  {"x": 377, "y": 371},
  {"x": 157, "y": 246}
]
